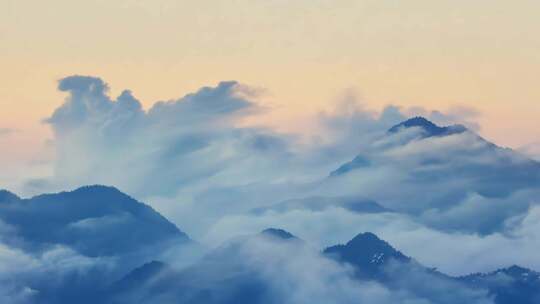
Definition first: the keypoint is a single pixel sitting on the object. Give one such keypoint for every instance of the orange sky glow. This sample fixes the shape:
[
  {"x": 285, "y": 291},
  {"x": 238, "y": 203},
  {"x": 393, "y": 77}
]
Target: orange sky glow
[{"x": 483, "y": 55}]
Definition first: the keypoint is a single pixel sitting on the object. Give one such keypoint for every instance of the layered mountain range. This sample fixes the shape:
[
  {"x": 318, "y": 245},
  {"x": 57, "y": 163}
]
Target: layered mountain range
[
  {"x": 96, "y": 244},
  {"x": 98, "y": 221},
  {"x": 371, "y": 259}
]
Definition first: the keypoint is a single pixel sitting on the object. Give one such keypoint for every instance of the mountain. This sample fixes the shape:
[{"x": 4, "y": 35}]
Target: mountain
[
  {"x": 278, "y": 233},
  {"x": 428, "y": 128},
  {"x": 228, "y": 274},
  {"x": 100, "y": 221},
  {"x": 93, "y": 220},
  {"x": 358, "y": 162},
  {"x": 375, "y": 259},
  {"x": 428, "y": 177},
  {"x": 138, "y": 277},
  {"x": 147, "y": 271},
  {"x": 367, "y": 253},
  {"x": 8, "y": 197},
  {"x": 514, "y": 284}
]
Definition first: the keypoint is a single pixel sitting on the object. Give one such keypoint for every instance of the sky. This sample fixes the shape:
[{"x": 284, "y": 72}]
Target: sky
[
  {"x": 482, "y": 55},
  {"x": 229, "y": 117}
]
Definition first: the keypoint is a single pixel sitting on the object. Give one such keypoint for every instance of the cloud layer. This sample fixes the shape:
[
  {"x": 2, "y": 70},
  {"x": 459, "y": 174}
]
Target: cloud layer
[
  {"x": 447, "y": 198},
  {"x": 194, "y": 160}
]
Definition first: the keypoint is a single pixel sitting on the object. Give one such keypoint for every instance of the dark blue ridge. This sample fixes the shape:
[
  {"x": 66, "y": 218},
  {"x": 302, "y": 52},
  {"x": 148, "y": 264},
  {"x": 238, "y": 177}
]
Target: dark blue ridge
[
  {"x": 428, "y": 127},
  {"x": 8, "y": 197},
  {"x": 94, "y": 220},
  {"x": 514, "y": 284},
  {"x": 367, "y": 253},
  {"x": 278, "y": 233},
  {"x": 358, "y": 162},
  {"x": 139, "y": 276}
]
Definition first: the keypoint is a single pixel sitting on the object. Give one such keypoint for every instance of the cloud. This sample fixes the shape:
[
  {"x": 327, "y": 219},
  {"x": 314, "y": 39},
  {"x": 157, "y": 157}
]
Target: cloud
[
  {"x": 73, "y": 245},
  {"x": 531, "y": 150},
  {"x": 349, "y": 127},
  {"x": 264, "y": 269},
  {"x": 93, "y": 221},
  {"x": 195, "y": 161},
  {"x": 173, "y": 145},
  {"x": 455, "y": 253},
  {"x": 50, "y": 275},
  {"x": 446, "y": 182}
]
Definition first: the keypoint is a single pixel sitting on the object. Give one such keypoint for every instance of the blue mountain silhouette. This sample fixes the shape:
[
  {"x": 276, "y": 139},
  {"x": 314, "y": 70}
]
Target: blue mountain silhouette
[
  {"x": 99, "y": 220},
  {"x": 278, "y": 233},
  {"x": 224, "y": 276},
  {"x": 514, "y": 284},
  {"x": 468, "y": 163},
  {"x": 371, "y": 258},
  {"x": 428, "y": 128},
  {"x": 138, "y": 277},
  {"x": 367, "y": 253},
  {"x": 8, "y": 197},
  {"x": 94, "y": 220}
]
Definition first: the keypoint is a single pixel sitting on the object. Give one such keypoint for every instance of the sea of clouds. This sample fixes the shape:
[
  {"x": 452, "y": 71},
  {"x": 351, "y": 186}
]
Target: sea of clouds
[{"x": 448, "y": 201}]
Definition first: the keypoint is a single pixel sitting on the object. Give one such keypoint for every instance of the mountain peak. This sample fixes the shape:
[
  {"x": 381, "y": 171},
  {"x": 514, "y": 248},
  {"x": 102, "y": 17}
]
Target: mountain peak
[
  {"x": 365, "y": 237},
  {"x": 98, "y": 188},
  {"x": 418, "y": 121},
  {"x": 88, "y": 190},
  {"x": 371, "y": 244},
  {"x": 367, "y": 253},
  {"x": 278, "y": 233},
  {"x": 518, "y": 271},
  {"x": 429, "y": 128}
]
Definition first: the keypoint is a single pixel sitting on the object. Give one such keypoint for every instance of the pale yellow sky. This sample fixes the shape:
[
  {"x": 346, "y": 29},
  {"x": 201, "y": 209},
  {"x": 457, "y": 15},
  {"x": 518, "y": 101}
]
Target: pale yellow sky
[{"x": 481, "y": 53}]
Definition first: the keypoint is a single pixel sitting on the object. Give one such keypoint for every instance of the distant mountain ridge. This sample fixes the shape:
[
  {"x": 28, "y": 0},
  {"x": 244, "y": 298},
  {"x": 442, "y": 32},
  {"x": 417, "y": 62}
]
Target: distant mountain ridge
[
  {"x": 457, "y": 162},
  {"x": 368, "y": 252},
  {"x": 429, "y": 128},
  {"x": 95, "y": 220},
  {"x": 278, "y": 233},
  {"x": 138, "y": 276},
  {"x": 100, "y": 221},
  {"x": 6, "y": 196},
  {"x": 513, "y": 284},
  {"x": 372, "y": 259}
]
